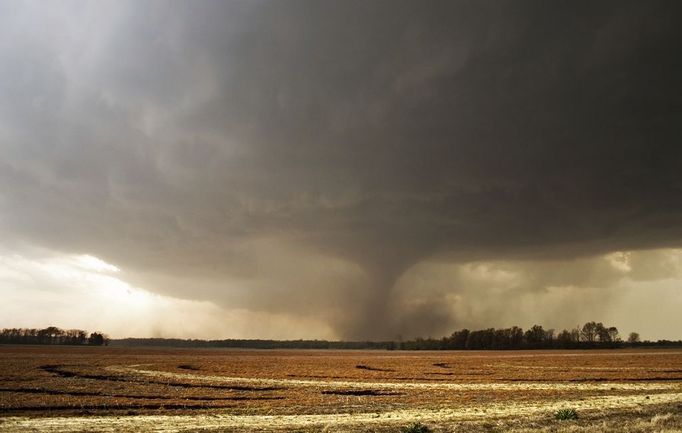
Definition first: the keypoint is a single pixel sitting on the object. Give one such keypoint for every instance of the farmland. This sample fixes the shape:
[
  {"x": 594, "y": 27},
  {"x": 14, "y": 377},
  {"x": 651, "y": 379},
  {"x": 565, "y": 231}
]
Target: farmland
[{"x": 97, "y": 388}]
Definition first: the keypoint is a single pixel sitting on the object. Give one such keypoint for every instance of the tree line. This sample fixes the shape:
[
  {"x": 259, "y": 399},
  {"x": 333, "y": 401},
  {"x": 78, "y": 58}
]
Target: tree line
[
  {"x": 52, "y": 335},
  {"x": 250, "y": 344},
  {"x": 591, "y": 335}
]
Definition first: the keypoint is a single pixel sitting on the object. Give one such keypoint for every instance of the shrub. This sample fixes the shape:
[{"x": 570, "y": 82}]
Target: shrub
[
  {"x": 564, "y": 414},
  {"x": 416, "y": 428}
]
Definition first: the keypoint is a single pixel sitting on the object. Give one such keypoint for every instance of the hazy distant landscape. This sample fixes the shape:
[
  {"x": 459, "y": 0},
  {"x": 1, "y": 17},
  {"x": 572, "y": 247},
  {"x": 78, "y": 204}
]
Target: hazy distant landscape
[{"x": 592, "y": 335}]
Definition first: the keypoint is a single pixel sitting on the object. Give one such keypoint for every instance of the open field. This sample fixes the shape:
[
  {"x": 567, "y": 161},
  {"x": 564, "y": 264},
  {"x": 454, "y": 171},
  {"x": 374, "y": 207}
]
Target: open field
[{"x": 114, "y": 389}]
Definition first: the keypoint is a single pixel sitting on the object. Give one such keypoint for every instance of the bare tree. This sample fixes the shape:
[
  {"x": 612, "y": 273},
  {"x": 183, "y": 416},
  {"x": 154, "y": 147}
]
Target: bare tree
[
  {"x": 603, "y": 333},
  {"x": 613, "y": 334},
  {"x": 588, "y": 333}
]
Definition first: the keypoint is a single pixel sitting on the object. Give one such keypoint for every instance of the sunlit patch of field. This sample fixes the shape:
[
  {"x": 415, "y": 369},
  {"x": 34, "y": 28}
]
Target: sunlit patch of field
[
  {"x": 82, "y": 389},
  {"x": 443, "y": 416}
]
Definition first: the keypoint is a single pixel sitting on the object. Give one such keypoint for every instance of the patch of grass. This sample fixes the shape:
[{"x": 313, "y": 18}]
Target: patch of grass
[
  {"x": 566, "y": 414},
  {"x": 416, "y": 428}
]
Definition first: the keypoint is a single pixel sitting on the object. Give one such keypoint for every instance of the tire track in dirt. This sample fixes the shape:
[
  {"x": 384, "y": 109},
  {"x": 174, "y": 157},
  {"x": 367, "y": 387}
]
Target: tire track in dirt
[
  {"x": 60, "y": 371},
  {"x": 128, "y": 396},
  {"x": 493, "y": 386}
]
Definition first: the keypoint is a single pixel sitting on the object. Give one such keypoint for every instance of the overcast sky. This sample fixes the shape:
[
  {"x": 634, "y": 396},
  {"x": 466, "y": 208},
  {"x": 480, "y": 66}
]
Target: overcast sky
[{"x": 340, "y": 169}]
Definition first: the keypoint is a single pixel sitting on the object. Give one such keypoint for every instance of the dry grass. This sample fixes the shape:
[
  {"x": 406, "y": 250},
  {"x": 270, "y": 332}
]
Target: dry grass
[{"x": 64, "y": 389}]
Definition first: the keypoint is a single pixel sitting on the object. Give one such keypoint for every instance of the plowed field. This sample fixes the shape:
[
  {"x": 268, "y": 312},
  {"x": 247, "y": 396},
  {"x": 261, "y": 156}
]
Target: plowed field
[{"x": 115, "y": 389}]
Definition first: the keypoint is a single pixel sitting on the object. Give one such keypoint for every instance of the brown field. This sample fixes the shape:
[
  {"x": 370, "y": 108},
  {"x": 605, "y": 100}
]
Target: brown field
[{"x": 116, "y": 389}]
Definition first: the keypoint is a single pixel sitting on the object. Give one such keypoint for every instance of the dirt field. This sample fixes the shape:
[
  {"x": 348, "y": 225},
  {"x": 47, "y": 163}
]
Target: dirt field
[{"x": 114, "y": 389}]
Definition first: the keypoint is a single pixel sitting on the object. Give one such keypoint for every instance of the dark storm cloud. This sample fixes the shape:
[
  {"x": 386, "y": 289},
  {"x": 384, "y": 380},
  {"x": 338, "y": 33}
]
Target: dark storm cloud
[{"x": 300, "y": 156}]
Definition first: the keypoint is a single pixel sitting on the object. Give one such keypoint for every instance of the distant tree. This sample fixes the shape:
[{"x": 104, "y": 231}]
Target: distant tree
[
  {"x": 588, "y": 333},
  {"x": 549, "y": 337},
  {"x": 75, "y": 336},
  {"x": 459, "y": 339},
  {"x": 30, "y": 336},
  {"x": 475, "y": 340},
  {"x": 516, "y": 337},
  {"x": 51, "y": 335},
  {"x": 501, "y": 338},
  {"x": 535, "y": 336},
  {"x": 603, "y": 333},
  {"x": 488, "y": 338},
  {"x": 575, "y": 334},
  {"x": 96, "y": 339},
  {"x": 565, "y": 339},
  {"x": 613, "y": 334},
  {"x": 633, "y": 338}
]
